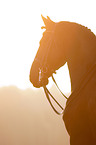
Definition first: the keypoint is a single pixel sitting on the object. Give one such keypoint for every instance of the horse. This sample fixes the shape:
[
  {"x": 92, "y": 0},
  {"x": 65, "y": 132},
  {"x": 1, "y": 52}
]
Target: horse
[{"x": 75, "y": 44}]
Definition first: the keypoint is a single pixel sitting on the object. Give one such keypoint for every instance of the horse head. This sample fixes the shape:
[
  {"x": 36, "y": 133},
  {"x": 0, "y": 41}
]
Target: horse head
[{"x": 49, "y": 56}]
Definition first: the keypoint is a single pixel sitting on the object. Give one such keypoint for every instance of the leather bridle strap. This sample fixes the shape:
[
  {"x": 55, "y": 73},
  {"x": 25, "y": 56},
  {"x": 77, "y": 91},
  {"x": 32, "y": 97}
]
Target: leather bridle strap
[
  {"x": 58, "y": 88},
  {"x": 48, "y": 95}
]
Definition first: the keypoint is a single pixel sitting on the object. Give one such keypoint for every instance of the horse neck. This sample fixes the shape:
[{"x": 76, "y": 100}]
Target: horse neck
[{"x": 81, "y": 60}]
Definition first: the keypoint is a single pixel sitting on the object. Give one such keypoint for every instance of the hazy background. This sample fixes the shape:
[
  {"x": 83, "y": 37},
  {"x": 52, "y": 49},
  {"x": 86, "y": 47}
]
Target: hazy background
[{"x": 26, "y": 118}]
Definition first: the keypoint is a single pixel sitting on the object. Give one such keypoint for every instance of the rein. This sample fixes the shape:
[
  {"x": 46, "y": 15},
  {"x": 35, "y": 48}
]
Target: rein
[{"x": 48, "y": 95}]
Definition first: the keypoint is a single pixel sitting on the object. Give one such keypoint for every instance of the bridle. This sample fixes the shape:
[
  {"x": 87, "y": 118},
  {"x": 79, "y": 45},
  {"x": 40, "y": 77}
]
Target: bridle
[{"x": 49, "y": 96}]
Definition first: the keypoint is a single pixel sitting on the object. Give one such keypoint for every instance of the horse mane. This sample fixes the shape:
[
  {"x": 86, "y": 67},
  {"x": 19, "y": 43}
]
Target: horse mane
[{"x": 85, "y": 29}]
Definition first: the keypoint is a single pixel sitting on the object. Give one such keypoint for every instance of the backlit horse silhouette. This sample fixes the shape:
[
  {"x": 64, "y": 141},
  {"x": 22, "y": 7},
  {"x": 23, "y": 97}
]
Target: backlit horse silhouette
[{"x": 75, "y": 44}]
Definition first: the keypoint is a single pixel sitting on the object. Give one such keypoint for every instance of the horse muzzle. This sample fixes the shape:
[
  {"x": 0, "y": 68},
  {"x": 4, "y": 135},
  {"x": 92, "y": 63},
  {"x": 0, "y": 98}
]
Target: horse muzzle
[{"x": 37, "y": 76}]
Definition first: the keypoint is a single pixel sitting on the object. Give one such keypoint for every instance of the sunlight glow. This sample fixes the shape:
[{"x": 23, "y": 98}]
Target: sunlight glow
[{"x": 20, "y": 33}]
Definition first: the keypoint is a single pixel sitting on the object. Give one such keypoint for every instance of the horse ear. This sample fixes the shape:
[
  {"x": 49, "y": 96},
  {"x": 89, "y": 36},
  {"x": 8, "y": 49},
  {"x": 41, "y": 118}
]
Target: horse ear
[{"x": 48, "y": 22}]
